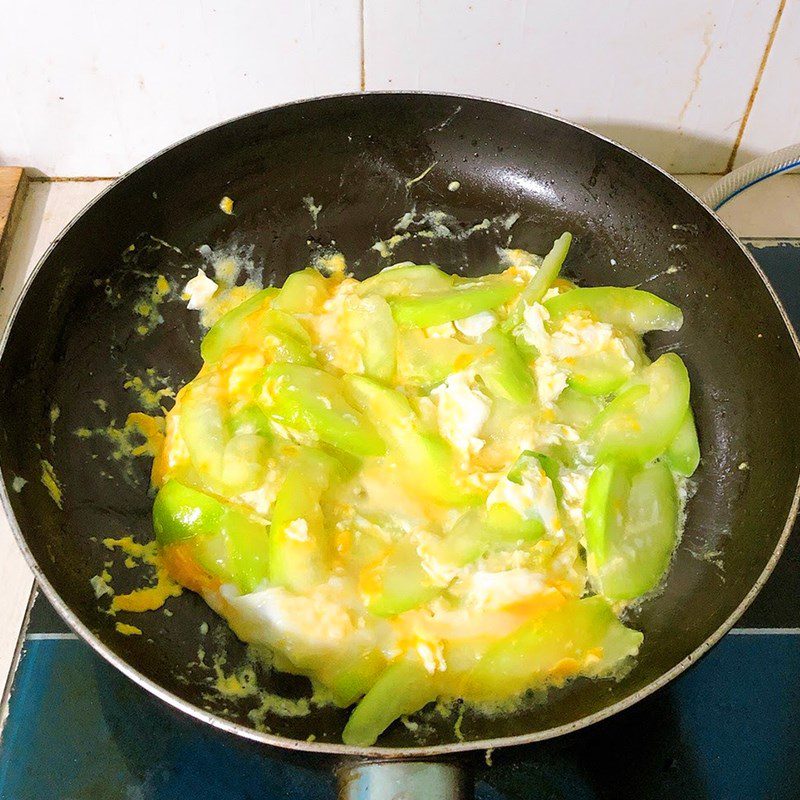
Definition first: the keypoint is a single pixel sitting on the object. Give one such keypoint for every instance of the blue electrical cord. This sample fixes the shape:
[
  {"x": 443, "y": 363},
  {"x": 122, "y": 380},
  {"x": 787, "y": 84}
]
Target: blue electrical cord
[{"x": 778, "y": 171}]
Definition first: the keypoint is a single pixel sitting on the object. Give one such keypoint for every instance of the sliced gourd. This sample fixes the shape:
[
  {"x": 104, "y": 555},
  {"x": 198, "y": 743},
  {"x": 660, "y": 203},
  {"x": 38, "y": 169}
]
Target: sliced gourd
[
  {"x": 462, "y": 300},
  {"x": 387, "y": 408},
  {"x": 683, "y": 453},
  {"x": 226, "y": 459},
  {"x": 405, "y": 279},
  {"x": 374, "y": 335},
  {"x": 639, "y": 424},
  {"x": 426, "y": 461},
  {"x": 222, "y": 541},
  {"x": 283, "y": 337},
  {"x": 633, "y": 309},
  {"x": 303, "y": 292},
  {"x": 180, "y": 512},
  {"x": 504, "y": 370},
  {"x": 397, "y": 582},
  {"x": 541, "y": 281},
  {"x": 600, "y": 373},
  {"x": 547, "y": 464},
  {"x": 278, "y": 323},
  {"x": 483, "y": 530},
  {"x": 299, "y": 546},
  {"x": 403, "y": 688},
  {"x": 310, "y": 400},
  {"x": 576, "y": 409},
  {"x": 244, "y": 461},
  {"x": 578, "y": 637},
  {"x": 230, "y": 329},
  {"x": 429, "y": 464},
  {"x": 203, "y": 429},
  {"x": 631, "y": 527},
  {"x": 499, "y": 525},
  {"x": 426, "y": 361},
  {"x": 351, "y": 676},
  {"x": 250, "y": 419},
  {"x": 605, "y": 507}
]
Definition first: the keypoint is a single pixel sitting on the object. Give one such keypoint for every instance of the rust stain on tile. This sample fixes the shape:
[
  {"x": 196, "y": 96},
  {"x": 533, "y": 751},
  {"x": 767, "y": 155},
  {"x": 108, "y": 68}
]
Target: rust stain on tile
[
  {"x": 756, "y": 84},
  {"x": 697, "y": 76},
  {"x": 363, "y": 66}
]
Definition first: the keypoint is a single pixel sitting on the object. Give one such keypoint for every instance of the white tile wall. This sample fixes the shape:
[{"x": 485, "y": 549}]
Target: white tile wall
[
  {"x": 670, "y": 78},
  {"x": 89, "y": 87},
  {"x": 775, "y": 117}
]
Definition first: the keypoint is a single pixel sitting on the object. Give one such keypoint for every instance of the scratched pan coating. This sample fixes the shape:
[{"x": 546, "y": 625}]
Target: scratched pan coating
[{"x": 74, "y": 340}]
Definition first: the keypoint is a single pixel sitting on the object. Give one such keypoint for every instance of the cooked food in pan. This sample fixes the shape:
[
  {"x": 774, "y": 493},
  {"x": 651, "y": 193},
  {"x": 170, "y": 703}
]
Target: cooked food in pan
[{"x": 421, "y": 486}]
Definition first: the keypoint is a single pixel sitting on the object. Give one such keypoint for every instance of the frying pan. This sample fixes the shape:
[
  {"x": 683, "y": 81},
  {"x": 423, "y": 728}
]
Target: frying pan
[{"x": 367, "y": 159}]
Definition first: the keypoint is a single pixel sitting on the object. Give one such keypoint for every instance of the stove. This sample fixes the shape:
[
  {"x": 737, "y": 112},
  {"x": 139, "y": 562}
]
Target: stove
[{"x": 76, "y": 729}]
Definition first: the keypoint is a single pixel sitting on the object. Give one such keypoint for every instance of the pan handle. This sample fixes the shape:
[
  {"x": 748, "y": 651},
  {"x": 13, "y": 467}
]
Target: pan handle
[
  {"x": 401, "y": 780},
  {"x": 750, "y": 174}
]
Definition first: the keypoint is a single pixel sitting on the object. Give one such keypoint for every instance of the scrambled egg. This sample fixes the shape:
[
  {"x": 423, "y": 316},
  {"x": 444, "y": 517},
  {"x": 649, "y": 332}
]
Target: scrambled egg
[
  {"x": 303, "y": 627},
  {"x": 475, "y": 326},
  {"x": 147, "y": 598},
  {"x": 577, "y": 335},
  {"x": 198, "y": 291},
  {"x": 461, "y": 410},
  {"x": 534, "y": 496}
]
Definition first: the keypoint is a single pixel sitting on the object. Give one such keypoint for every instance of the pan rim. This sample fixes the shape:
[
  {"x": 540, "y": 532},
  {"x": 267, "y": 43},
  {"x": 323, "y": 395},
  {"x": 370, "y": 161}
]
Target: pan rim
[{"x": 393, "y": 753}]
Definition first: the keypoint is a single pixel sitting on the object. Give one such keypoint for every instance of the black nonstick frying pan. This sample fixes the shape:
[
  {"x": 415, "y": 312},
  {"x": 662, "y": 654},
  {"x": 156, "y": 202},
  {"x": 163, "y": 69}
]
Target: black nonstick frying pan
[{"x": 76, "y": 339}]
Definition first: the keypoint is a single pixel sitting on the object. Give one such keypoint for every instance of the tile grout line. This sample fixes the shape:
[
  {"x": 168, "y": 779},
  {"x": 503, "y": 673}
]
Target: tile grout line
[
  {"x": 71, "y": 178},
  {"x": 764, "y": 631},
  {"x": 362, "y": 45},
  {"x": 777, "y": 239},
  {"x": 756, "y": 85}
]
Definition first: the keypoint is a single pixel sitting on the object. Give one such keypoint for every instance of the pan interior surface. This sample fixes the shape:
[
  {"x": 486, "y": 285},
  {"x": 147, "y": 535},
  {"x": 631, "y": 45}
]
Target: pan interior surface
[{"x": 91, "y": 326}]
